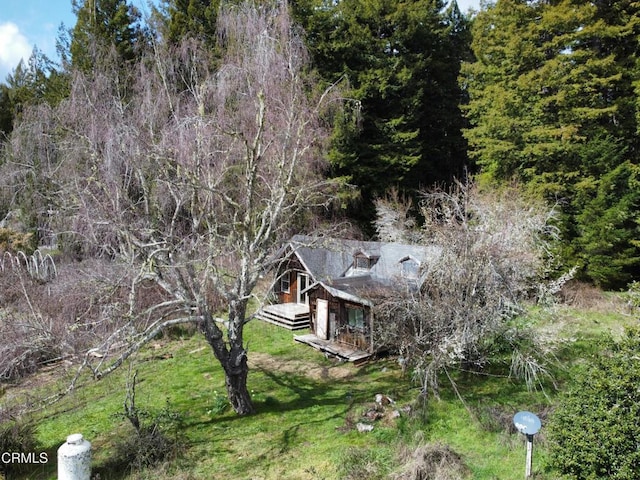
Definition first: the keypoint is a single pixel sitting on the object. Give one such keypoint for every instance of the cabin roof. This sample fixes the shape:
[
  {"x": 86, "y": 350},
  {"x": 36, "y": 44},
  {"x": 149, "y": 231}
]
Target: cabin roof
[{"x": 331, "y": 262}]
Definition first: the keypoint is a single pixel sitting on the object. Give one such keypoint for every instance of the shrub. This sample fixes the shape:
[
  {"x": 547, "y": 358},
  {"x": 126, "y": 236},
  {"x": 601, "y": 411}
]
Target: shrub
[
  {"x": 594, "y": 431},
  {"x": 488, "y": 250},
  {"x": 16, "y": 436},
  {"x": 14, "y": 241},
  {"x": 146, "y": 447},
  {"x": 151, "y": 443},
  {"x": 30, "y": 341},
  {"x": 632, "y": 297},
  {"x": 431, "y": 462}
]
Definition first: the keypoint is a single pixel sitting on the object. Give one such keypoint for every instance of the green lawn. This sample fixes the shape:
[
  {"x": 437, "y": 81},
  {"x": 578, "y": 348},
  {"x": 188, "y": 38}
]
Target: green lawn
[{"x": 307, "y": 406}]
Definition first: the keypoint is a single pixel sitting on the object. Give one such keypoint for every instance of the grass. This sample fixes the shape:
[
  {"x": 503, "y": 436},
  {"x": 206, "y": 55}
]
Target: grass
[
  {"x": 306, "y": 407},
  {"x": 302, "y": 400}
]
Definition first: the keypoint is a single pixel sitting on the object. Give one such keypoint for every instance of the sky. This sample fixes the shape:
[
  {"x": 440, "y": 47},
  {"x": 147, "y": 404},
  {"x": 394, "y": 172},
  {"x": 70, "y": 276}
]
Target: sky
[{"x": 25, "y": 24}]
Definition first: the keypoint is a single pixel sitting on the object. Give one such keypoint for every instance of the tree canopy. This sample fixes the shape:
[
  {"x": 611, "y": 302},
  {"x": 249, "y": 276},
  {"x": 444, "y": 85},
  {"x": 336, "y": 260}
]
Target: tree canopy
[
  {"x": 544, "y": 92},
  {"x": 552, "y": 103},
  {"x": 190, "y": 18},
  {"x": 102, "y": 25},
  {"x": 401, "y": 59}
]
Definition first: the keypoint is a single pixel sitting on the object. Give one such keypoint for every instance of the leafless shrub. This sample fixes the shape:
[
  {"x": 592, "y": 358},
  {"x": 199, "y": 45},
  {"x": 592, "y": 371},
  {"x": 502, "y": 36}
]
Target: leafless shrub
[
  {"x": 584, "y": 296},
  {"x": 39, "y": 267},
  {"x": 83, "y": 306},
  {"x": 29, "y": 343},
  {"x": 492, "y": 251},
  {"x": 394, "y": 221},
  {"x": 152, "y": 442},
  {"x": 431, "y": 462},
  {"x": 30, "y": 339}
]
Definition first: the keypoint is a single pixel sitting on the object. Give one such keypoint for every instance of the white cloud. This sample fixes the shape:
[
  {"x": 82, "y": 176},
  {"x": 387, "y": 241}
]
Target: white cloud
[{"x": 13, "y": 47}]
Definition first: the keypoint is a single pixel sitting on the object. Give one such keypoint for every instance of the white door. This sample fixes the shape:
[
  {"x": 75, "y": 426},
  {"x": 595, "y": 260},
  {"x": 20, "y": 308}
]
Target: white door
[{"x": 322, "y": 318}]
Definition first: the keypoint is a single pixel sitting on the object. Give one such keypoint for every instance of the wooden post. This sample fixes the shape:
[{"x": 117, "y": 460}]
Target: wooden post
[{"x": 527, "y": 472}]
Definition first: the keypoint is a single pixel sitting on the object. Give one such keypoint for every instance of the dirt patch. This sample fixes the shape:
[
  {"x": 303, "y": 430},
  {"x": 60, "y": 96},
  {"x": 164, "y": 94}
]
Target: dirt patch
[{"x": 299, "y": 367}]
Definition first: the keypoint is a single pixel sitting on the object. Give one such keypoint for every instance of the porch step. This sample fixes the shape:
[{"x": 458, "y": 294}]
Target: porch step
[
  {"x": 288, "y": 320},
  {"x": 334, "y": 349}
]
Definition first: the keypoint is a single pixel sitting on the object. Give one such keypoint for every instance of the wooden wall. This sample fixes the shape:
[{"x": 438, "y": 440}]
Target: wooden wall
[
  {"x": 291, "y": 269},
  {"x": 339, "y": 330}
]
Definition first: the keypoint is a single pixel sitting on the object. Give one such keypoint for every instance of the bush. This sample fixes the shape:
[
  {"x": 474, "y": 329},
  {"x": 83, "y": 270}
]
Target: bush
[
  {"x": 146, "y": 447},
  {"x": 431, "y": 462},
  {"x": 632, "y": 297},
  {"x": 151, "y": 442},
  {"x": 29, "y": 342},
  {"x": 14, "y": 241},
  {"x": 16, "y": 436},
  {"x": 594, "y": 431}
]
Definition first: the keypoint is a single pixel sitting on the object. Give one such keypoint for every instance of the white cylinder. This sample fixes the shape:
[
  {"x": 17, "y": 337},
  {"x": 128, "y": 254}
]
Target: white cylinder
[{"x": 74, "y": 459}]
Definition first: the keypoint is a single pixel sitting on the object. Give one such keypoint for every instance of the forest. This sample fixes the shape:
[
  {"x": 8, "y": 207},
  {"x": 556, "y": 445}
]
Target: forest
[
  {"x": 542, "y": 94},
  {"x": 150, "y": 174}
]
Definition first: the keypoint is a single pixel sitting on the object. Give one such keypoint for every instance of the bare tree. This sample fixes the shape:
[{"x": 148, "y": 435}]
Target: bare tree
[
  {"x": 394, "y": 222},
  {"x": 493, "y": 249},
  {"x": 195, "y": 174}
]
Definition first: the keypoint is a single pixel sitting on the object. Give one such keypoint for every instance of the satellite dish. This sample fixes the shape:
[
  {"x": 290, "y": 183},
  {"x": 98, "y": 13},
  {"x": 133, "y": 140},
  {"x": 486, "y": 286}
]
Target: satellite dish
[{"x": 527, "y": 423}]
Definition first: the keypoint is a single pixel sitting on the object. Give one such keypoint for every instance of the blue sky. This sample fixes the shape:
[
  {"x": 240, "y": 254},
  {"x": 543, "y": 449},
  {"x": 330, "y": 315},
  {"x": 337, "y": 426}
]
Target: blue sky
[{"x": 28, "y": 23}]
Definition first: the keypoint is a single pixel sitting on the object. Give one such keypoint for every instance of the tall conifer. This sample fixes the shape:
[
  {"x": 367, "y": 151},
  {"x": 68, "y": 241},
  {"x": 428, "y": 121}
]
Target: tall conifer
[
  {"x": 401, "y": 59},
  {"x": 552, "y": 104},
  {"x": 101, "y": 25}
]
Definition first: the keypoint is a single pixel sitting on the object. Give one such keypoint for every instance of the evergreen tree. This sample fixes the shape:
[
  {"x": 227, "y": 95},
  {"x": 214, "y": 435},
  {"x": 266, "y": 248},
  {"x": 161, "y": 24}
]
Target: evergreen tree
[
  {"x": 500, "y": 101},
  {"x": 401, "y": 59},
  {"x": 102, "y": 25},
  {"x": 190, "y": 18},
  {"x": 36, "y": 81},
  {"x": 552, "y": 104},
  {"x": 610, "y": 224},
  {"x": 444, "y": 150},
  {"x": 6, "y": 112}
]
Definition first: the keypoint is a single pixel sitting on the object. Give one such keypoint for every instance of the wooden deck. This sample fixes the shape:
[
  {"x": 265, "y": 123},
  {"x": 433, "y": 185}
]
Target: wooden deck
[
  {"x": 293, "y": 316},
  {"x": 334, "y": 349}
]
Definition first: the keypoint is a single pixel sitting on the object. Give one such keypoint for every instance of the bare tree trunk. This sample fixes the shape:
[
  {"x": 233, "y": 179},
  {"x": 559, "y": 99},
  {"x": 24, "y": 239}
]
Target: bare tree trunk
[
  {"x": 232, "y": 357},
  {"x": 236, "y": 372}
]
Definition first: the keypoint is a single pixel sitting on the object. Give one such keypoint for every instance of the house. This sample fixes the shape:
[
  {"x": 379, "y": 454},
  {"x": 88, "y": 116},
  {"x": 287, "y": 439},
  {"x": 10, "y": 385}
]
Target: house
[{"x": 329, "y": 286}]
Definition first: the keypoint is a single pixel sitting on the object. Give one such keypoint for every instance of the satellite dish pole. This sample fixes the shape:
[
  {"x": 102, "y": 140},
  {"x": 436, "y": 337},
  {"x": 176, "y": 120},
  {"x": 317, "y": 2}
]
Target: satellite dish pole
[
  {"x": 527, "y": 471},
  {"x": 528, "y": 424}
]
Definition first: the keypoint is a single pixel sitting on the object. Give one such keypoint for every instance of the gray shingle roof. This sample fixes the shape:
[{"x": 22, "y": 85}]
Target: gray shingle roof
[{"x": 331, "y": 261}]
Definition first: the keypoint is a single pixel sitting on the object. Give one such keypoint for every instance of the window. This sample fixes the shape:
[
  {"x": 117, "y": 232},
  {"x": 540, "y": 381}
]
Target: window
[
  {"x": 362, "y": 262},
  {"x": 410, "y": 268},
  {"x": 355, "y": 318},
  {"x": 285, "y": 283}
]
